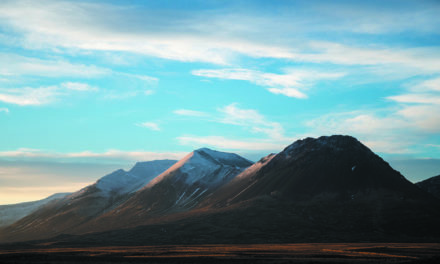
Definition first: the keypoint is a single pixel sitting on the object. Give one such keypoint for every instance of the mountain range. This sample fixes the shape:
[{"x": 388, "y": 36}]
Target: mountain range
[{"x": 328, "y": 189}]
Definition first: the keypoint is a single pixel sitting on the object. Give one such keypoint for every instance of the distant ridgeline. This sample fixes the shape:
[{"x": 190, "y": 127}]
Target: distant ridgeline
[{"x": 329, "y": 189}]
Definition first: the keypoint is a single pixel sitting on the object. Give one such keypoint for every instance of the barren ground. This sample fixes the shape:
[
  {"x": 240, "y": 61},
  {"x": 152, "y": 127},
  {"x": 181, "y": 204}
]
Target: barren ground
[{"x": 260, "y": 253}]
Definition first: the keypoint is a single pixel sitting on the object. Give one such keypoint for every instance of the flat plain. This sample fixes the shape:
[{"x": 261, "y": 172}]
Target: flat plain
[{"x": 250, "y": 253}]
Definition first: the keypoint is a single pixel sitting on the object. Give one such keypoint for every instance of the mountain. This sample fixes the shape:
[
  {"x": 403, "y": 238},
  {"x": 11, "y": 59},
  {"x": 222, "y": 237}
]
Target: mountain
[
  {"x": 121, "y": 182},
  {"x": 178, "y": 189},
  {"x": 431, "y": 185},
  {"x": 327, "y": 189},
  {"x": 338, "y": 167},
  {"x": 12, "y": 212},
  {"x": 66, "y": 214}
]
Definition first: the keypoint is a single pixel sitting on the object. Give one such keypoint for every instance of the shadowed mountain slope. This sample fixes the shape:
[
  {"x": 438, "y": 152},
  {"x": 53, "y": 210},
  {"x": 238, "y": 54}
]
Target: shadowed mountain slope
[
  {"x": 337, "y": 166},
  {"x": 431, "y": 185}
]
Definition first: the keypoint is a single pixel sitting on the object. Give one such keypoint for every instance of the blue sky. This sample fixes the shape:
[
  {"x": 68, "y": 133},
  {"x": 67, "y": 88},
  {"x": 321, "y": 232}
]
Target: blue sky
[{"x": 102, "y": 84}]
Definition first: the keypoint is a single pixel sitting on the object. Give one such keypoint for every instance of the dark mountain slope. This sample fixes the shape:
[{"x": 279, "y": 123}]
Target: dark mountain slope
[
  {"x": 336, "y": 166},
  {"x": 431, "y": 185}
]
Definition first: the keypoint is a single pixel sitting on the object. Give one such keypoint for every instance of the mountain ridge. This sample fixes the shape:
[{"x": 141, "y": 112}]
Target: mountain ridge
[
  {"x": 11, "y": 213},
  {"x": 326, "y": 189},
  {"x": 80, "y": 207}
]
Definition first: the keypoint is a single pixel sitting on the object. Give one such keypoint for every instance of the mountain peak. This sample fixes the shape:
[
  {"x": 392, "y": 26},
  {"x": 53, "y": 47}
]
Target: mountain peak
[
  {"x": 202, "y": 163},
  {"x": 220, "y": 157},
  {"x": 154, "y": 166},
  {"x": 127, "y": 181},
  {"x": 333, "y": 143},
  {"x": 205, "y": 150},
  {"x": 337, "y": 166}
]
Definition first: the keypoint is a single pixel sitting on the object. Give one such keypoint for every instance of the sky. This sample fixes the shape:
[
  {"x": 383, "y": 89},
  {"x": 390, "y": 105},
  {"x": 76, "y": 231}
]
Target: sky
[{"x": 87, "y": 87}]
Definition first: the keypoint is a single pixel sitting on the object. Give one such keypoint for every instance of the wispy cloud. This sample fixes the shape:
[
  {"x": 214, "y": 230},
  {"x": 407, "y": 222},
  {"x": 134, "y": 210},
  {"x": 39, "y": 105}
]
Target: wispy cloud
[
  {"x": 419, "y": 60},
  {"x": 424, "y": 92},
  {"x": 223, "y": 143},
  {"x": 420, "y": 107},
  {"x": 4, "y": 110},
  {"x": 150, "y": 125},
  {"x": 397, "y": 130},
  {"x": 386, "y": 134},
  {"x": 427, "y": 85},
  {"x": 187, "y": 112},
  {"x": 82, "y": 87},
  {"x": 272, "y": 134},
  {"x": 423, "y": 118},
  {"x": 187, "y": 36},
  {"x": 251, "y": 119},
  {"x": 290, "y": 83},
  {"x": 145, "y": 78},
  {"x": 52, "y": 25},
  {"x": 27, "y": 96},
  {"x": 16, "y": 65},
  {"x": 416, "y": 98},
  {"x": 110, "y": 155}
]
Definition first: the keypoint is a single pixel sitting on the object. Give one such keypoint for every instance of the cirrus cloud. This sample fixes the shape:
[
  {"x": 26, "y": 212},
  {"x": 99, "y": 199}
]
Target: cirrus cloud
[{"x": 289, "y": 84}]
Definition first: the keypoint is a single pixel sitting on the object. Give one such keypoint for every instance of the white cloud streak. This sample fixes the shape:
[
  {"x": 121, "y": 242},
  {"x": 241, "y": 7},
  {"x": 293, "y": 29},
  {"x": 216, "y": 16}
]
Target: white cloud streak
[
  {"x": 17, "y": 65},
  {"x": 223, "y": 143},
  {"x": 395, "y": 131},
  {"x": 150, "y": 125},
  {"x": 387, "y": 134},
  {"x": 416, "y": 98},
  {"x": 186, "y": 36},
  {"x": 421, "y": 107},
  {"x": 110, "y": 155},
  {"x": 187, "y": 112},
  {"x": 251, "y": 119},
  {"x": 289, "y": 84},
  {"x": 51, "y": 24},
  {"x": 28, "y": 96},
  {"x": 4, "y": 110},
  {"x": 427, "y": 85}
]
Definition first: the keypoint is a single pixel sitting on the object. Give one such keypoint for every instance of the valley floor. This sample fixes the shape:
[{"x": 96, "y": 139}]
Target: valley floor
[{"x": 260, "y": 253}]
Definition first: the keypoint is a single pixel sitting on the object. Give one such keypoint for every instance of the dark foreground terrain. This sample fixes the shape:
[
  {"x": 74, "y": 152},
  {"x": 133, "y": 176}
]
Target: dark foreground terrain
[{"x": 261, "y": 253}]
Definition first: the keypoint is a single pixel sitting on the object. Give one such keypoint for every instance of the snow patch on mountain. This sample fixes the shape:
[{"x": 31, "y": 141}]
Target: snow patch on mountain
[
  {"x": 205, "y": 166},
  {"x": 122, "y": 182}
]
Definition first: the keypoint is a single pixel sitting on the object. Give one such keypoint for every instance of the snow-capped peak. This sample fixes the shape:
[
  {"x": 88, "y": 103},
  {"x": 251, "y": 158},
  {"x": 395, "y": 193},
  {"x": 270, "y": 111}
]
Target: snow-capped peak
[
  {"x": 122, "y": 181},
  {"x": 226, "y": 158},
  {"x": 206, "y": 166}
]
